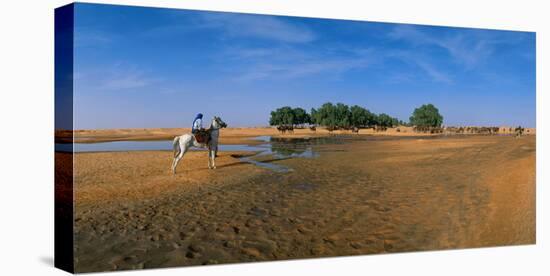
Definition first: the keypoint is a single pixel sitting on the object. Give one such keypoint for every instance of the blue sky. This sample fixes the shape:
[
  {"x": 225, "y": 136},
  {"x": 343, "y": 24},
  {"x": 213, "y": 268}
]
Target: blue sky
[{"x": 148, "y": 67}]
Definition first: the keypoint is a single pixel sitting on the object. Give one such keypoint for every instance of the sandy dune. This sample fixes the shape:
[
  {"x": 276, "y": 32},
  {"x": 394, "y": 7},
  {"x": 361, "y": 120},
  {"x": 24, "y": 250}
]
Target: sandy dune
[{"x": 362, "y": 197}]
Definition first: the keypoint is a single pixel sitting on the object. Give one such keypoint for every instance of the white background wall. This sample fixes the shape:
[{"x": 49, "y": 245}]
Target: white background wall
[{"x": 26, "y": 133}]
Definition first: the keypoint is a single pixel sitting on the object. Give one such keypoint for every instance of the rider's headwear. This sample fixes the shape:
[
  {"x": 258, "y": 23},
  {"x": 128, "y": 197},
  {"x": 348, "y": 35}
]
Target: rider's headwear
[{"x": 199, "y": 116}]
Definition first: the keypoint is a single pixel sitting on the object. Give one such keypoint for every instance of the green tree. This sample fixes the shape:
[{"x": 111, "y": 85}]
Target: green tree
[
  {"x": 308, "y": 120},
  {"x": 361, "y": 117},
  {"x": 394, "y": 122},
  {"x": 332, "y": 116},
  {"x": 314, "y": 118},
  {"x": 384, "y": 120},
  {"x": 343, "y": 116},
  {"x": 326, "y": 116},
  {"x": 282, "y": 116},
  {"x": 274, "y": 119},
  {"x": 426, "y": 115},
  {"x": 300, "y": 116},
  {"x": 403, "y": 123}
]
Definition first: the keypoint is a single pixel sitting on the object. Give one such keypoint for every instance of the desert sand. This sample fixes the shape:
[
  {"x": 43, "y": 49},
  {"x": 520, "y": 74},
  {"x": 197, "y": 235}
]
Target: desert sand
[
  {"x": 364, "y": 196},
  {"x": 231, "y": 135},
  {"x": 234, "y": 135}
]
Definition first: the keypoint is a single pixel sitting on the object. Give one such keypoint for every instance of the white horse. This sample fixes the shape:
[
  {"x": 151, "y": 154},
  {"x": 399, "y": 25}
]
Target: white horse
[{"x": 184, "y": 142}]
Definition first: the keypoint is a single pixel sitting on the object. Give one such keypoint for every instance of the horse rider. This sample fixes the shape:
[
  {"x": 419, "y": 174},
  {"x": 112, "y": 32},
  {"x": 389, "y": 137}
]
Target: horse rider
[
  {"x": 197, "y": 124},
  {"x": 201, "y": 135}
]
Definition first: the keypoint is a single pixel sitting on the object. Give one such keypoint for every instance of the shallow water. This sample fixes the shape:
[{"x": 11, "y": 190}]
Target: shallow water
[
  {"x": 278, "y": 148},
  {"x": 288, "y": 147},
  {"x": 141, "y": 145},
  {"x": 275, "y": 147}
]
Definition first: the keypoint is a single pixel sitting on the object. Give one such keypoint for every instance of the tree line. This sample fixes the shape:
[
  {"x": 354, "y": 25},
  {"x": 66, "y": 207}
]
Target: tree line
[{"x": 341, "y": 116}]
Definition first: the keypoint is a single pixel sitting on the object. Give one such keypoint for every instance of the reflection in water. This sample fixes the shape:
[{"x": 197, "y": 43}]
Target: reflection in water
[
  {"x": 277, "y": 148},
  {"x": 284, "y": 148},
  {"x": 139, "y": 145},
  {"x": 290, "y": 148}
]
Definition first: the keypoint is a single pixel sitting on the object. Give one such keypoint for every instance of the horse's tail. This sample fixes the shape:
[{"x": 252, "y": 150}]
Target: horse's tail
[{"x": 176, "y": 146}]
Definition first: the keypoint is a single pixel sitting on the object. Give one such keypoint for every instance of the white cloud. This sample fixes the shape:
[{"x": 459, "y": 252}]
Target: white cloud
[
  {"x": 423, "y": 63},
  {"x": 288, "y": 63},
  {"x": 116, "y": 77},
  {"x": 125, "y": 80},
  {"x": 263, "y": 27},
  {"x": 434, "y": 73},
  {"x": 468, "y": 50}
]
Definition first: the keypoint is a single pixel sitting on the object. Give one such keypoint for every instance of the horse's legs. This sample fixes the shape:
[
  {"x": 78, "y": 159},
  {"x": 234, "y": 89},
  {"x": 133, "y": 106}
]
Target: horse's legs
[
  {"x": 213, "y": 158},
  {"x": 175, "y": 158},
  {"x": 214, "y": 155},
  {"x": 209, "y": 157},
  {"x": 178, "y": 158},
  {"x": 173, "y": 165}
]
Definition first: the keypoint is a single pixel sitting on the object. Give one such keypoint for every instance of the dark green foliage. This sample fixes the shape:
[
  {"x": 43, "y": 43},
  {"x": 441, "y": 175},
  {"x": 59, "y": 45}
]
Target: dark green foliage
[
  {"x": 300, "y": 116},
  {"x": 343, "y": 116},
  {"x": 287, "y": 116},
  {"x": 403, "y": 123},
  {"x": 283, "y": 116},
  {"x": 361, "y": 117},
  {"x": 394, "y": 122},
  {"x": 426, "y": 116},
  {"x": 333, "y": 116},
  {"x": 314, "y": 117},
  {"x": 384, "y": 120},
  {"x": 326, "y": 116}
]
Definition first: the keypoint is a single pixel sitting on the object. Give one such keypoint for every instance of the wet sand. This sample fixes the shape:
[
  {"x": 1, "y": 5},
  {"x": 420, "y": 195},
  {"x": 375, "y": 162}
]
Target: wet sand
[
  {"x": 229, "y": 135},
  {"x": 360, "y": 197}
]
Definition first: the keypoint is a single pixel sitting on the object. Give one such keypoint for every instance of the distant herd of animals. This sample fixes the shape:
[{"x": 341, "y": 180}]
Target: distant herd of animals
[
  {"x": 518, "y": 131},
  {"x": 290, "y": 129}
]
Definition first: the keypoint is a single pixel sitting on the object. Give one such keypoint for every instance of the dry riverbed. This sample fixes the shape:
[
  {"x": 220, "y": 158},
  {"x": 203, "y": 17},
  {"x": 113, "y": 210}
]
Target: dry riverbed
[{"x": 363, "y": 196}]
